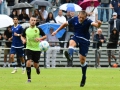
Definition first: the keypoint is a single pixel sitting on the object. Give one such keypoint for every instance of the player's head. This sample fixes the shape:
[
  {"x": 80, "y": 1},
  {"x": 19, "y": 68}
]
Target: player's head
[
  {"x": 82, "y": 16},
  {"x": 15, "y": 20},
  {"x": 33, "y": 21}
]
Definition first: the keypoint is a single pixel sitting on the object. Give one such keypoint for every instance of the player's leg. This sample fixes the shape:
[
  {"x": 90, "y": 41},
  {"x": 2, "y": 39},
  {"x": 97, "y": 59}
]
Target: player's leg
[
  {"x": 84, "y": 69},
  {"x": 12, "y": 53},
  {"x": 22, "y": 64},
  {"x": 84, "y": 47},
  {"x": 28, "y": 64},
  {"x": 69, "y": 53},
  {"x": 20, "y": 52},
  {"x": 28, "y": 70},
  {"x": 36, "y": 58}
]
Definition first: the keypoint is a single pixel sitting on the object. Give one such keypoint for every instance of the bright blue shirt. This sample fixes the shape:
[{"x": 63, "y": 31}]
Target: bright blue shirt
[
  {"x": 16, "y": 41},
  {"x": 81, "y": 30}
]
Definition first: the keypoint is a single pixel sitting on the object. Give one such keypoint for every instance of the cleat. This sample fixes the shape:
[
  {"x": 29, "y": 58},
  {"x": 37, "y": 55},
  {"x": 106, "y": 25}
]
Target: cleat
[
  {"x": 23, "y": 72},
  {"x": 14, "y": 71},
  {"x": 29, "y": 80},
  {"x": 82, "y": 82},
  {"x": 67, "y": 56},
  {"x": 38, "y": 71}
]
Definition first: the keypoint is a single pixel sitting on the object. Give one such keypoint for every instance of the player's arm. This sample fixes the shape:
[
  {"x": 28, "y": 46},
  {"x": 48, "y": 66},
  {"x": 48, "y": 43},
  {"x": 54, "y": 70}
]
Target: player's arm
[
  {"x": 42, "y": 34},
  {"x": 96, "y": 24},
  {"x": 61, "y": 27},
  {"x": 23, "y": 37}
]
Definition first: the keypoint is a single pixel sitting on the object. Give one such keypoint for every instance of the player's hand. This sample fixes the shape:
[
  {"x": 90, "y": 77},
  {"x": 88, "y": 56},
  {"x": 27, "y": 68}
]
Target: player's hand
[
  {"x": 99, "y": 22},
  {"x": 23, "y": 41},
  {"x": 37, "y": 39},
  {"x": 54, "y": 33},
  {"x": 15, "y": 34}
]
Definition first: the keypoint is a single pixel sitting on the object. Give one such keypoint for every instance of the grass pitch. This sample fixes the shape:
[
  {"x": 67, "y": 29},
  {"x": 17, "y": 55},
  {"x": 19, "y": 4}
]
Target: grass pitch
[{"x": 61, "y": 79}]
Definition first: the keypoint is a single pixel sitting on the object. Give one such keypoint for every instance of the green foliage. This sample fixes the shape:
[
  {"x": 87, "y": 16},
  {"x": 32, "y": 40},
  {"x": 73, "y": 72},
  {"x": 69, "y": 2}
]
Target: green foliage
[{"x": 61, "y": 79}]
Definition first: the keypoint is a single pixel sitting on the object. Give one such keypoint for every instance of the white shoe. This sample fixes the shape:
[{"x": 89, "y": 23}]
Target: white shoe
[
  {"x": 14, "y": 71},
  {"x": 23, "y": 72}
]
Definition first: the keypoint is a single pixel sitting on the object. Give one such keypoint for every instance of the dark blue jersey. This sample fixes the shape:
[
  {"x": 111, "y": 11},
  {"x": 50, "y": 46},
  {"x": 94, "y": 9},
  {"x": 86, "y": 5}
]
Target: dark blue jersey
[
  {"x": 16, "y": 41},
  {"x": 81, "y": 30}
]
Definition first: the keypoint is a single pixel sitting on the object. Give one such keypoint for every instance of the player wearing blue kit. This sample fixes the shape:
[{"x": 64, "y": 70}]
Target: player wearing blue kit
[
  {"x": 81, "y": 39},
  {"x": 17, "y": 45}
]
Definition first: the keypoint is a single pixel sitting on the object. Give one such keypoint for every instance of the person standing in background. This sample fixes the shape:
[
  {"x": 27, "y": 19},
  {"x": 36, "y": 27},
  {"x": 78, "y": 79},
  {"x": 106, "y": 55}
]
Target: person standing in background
[
  {"x": 60, "y": 19},
  {"x": 113, "y": 41},
  {"x": 92, "y": 14},
  {"x": 7, "y": 35},
  {"x": 52, "y": 51},
  {"x": 114, "y": 22}
]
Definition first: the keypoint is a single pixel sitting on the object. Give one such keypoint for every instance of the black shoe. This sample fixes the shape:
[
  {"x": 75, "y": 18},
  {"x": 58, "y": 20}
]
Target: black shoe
[
  {"x": 83, "y": 82},
  {"x": 67, "y": 56},
  {"x": 38, "y": 71}
]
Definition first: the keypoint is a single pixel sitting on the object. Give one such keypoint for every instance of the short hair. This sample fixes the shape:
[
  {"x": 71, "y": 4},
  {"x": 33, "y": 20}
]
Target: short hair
[
  {"x": 33, "y": 16},
  {"x": 83, "y": 12},
  {"x": 15, "y": 17}
]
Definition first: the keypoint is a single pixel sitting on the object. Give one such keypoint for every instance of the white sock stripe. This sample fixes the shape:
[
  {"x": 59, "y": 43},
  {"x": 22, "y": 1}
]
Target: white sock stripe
[
  {"x": 84, "y": 64},
  {"x": 14, "y": 63},
  {"x": 23, "y": 64}
]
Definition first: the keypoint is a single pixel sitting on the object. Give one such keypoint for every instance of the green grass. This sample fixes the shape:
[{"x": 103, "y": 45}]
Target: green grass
[{"x": 61, "y": 79}]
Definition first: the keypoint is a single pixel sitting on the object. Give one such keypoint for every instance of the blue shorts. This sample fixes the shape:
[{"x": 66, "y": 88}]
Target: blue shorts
[
  {"x": 19, "y": 51},
  {"x": 82, "y": 44}
]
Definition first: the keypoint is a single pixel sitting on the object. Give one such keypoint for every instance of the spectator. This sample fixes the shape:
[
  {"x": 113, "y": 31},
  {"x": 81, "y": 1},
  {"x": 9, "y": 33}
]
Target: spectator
[
  {"x": 60, "y": 19},
  {"x": 50, "y": 18},
  {"x": 14, "y": 13},
  {"x": 104, "y": 3},
  {"x": 70, "y": 28},
  {"x": 114, "y": 22},
  {"x": 99, "y": 38},
  {"x": 51, "y": 52},
  {"x": 113, "y": 41},
  {"x": 3, "y": 7},
  {"x": 92, "y": 14},
  {"x": 43, "y": 13},
  {"x": 115, "y": 4},
  {"x": 1, "y": 38},
  {"x": 55, "y": 2},
  {"x": 23, "y": 17},
  {"x": 7, "y": 35},
  {"x": 10, "y": 4},
  {"x": 38, "y": 16}
]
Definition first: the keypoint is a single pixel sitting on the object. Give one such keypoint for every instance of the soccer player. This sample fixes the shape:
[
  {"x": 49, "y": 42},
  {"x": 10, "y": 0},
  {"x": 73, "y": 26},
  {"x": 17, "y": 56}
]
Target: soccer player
[
  {"x": 81, "y": 39},
  {"x": 17, "y": 45},
  {"x": 31, "y": 36}
]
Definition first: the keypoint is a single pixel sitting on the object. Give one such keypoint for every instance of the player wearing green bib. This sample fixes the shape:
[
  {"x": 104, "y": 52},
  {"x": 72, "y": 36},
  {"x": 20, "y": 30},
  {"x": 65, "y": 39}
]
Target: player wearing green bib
[{"x": 31, "y": 36}]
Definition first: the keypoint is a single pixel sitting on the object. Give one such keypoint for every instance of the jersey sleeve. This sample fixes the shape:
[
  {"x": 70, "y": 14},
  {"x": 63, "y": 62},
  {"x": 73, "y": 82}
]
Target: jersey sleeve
[
  {"x": 24, "y": 32},
  {"x": 41, "y": 32}
]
